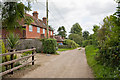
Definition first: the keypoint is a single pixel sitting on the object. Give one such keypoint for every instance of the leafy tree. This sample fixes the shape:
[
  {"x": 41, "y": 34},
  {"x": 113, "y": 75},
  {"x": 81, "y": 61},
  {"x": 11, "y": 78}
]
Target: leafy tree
[
  {"x": 76, "y": 29},
  {"x": 77, "y": 38},
  {"x": 86, "y": 35},
  {"x": 13, "y": 12},
  {"x": 94, "y": 36},
  {"x": 62, "y": 32},
  {"x": 109, "y": 41}
]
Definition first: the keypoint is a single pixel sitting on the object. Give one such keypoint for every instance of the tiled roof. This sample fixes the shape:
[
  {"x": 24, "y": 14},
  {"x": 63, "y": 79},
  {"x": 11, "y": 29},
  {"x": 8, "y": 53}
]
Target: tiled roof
[
  {"x": 37, "y": 22},
  {"x": 58, "y": 38}
]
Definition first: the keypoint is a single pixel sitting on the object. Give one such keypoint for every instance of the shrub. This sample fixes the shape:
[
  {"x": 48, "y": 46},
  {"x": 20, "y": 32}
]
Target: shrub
[
  {"x": 49, "y": 46},
  {"x": 70, "y": 43},
  {"x": 13, "y": 40}
]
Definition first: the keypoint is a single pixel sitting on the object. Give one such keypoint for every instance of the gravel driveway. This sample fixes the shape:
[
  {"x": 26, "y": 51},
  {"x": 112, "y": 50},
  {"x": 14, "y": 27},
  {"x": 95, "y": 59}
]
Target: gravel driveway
[{"x": 69, "y": 64}]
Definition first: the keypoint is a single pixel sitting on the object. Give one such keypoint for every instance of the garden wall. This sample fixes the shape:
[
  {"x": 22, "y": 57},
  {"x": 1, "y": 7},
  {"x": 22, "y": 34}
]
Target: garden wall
[{"x": 27, "y": 44}]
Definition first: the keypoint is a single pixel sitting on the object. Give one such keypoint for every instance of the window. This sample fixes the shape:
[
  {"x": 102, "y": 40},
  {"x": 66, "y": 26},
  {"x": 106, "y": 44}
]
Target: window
[
  {"x": 48, "y": 31},
  {"x": 51, "y": 32},
  {"x": 43, "y": 31},
  {"x": 38, "y": 30},
  {"x": 30, "y": 28}
]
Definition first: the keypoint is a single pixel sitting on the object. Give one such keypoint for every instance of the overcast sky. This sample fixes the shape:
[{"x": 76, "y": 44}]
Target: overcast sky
[{"x": 68, "y": 12}]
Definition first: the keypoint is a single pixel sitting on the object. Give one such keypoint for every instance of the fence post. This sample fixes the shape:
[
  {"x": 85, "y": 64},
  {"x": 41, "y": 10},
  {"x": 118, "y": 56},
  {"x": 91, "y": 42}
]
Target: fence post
[
  {"x": 33, "y": 52},
  {"x": 11, "y": 58}
]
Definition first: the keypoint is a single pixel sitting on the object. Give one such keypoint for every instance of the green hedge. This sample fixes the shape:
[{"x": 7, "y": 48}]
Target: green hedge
[
  {"x": 49, "y": 46},
  {"x": 100, "y": 71},
  {"x": 87, "y": 42},
  {"x": 70, "y": 43}
]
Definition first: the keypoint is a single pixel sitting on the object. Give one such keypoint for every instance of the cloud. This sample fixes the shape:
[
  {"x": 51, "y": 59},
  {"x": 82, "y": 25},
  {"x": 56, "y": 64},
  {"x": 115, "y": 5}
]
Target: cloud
[{"x": 67, "y": 12}]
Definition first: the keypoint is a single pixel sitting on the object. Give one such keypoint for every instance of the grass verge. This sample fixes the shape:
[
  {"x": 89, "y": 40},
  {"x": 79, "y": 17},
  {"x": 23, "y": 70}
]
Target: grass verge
[
  {"x": 99, "y": 70},
  {"x": 64, "y": 49}
]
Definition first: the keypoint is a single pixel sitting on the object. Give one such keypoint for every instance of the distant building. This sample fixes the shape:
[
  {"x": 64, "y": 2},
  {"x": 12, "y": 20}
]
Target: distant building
[{"x": 59, "y": 39}]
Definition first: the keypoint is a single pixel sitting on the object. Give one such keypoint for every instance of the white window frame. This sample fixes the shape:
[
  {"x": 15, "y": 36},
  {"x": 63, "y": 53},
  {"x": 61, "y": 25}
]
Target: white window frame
[
  {"x": 48, "y": 31},
  {"x": 51, "y": 32},
  {"x": 43, "y": 31},
  {"x": 30, "y": 28},
  {"x": 38, "y": 30}
]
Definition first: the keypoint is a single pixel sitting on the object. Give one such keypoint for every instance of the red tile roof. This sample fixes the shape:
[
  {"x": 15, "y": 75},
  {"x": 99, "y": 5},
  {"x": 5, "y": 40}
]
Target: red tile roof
[
  {"x": 58, "y": 38},
  {"x": 37, "y": 22}
]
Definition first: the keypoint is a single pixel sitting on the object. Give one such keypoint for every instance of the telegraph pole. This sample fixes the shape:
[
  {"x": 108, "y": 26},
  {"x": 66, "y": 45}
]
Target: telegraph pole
[{"x": 47, "y": 16}]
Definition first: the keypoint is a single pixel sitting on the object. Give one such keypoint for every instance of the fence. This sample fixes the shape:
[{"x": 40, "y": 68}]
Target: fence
[{"x": 12, "y": 61}]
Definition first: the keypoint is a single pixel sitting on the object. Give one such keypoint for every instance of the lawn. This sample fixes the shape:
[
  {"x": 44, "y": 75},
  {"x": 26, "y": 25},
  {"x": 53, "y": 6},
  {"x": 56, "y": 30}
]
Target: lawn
[
  {"x": 64, "y": 49},
  {"x": 99, "y": 70}
]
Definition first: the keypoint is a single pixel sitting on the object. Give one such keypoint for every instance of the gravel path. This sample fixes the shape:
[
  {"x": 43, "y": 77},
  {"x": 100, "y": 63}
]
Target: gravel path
[{"x": 69, "y": 64}]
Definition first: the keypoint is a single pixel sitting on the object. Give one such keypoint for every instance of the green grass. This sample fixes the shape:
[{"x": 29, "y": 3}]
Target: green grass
[
  {"x": 64, "y": 49},
  {"x": 99, "y": 70}
]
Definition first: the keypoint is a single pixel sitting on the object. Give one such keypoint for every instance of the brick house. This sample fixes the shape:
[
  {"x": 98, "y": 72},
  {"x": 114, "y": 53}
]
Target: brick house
[{"x": 37, "y": 29}]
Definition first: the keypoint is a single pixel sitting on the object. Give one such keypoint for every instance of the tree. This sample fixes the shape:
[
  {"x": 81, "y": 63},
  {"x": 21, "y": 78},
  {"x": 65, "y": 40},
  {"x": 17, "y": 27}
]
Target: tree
[
  {"x": 13, "y": 12},
  {"x": 94, "y": 36},
  {"x": 76, "y": 29},
  {"x": 77, "y": 38},
  {"x": 109, "y": 41},
  {"x": 85, "y": 35},
  {"x": 62, "y": 32}
]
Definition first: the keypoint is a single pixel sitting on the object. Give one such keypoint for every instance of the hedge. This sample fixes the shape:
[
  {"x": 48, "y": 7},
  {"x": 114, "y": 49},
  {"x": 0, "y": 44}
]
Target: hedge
[
  {"x": 69, "y": 44},
  {"x": 49, "y": 46}
]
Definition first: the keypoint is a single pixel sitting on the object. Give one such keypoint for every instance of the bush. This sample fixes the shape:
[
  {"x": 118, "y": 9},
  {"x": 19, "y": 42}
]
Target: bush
[
  {"x": 70, "y": 43},
  {"x": 100, "y": 71},
  {"x": 86, "y": 43},
  {"x": 49, "y": 46}
]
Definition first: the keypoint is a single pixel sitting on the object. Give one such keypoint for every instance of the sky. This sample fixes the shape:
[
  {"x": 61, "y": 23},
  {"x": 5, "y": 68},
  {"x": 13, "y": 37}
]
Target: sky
[{"x": 68, "y": 12}]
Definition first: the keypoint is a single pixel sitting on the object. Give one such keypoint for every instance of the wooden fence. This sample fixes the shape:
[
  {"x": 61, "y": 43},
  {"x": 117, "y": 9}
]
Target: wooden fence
[{"x": 12, "y": 61}]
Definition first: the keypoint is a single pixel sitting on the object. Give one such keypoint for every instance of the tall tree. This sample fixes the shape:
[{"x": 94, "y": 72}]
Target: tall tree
[
  {"x": 76, "y": 29},
  {"x": 77, "y": 38},
  {"x": 12, "y": 12},
  {"x": 62, "y": 32},
  {"x": 85, "y": 35}
]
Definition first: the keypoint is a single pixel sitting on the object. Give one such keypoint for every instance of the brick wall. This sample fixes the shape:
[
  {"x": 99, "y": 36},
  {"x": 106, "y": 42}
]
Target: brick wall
[{"x": 18, "y": 31}]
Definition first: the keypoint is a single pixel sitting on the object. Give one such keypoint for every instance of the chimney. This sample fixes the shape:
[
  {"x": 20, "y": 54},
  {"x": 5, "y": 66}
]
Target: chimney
[
  {"x": 35, "y": 14},
  {"x": 44, "y": 20}
]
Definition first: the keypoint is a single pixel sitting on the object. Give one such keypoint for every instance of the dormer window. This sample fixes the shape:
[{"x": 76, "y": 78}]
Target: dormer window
[
  {"x": 30, "y": 28},
  {"x": 44, "y": 24}
]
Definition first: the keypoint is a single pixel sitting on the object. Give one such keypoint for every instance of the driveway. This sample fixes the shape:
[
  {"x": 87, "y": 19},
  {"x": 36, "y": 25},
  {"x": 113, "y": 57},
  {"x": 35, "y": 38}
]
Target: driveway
[{"x": 69, "y": 64}]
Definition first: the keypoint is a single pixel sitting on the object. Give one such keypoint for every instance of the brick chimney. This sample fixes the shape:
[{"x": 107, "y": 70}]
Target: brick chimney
[
  {"x": 44, "y": 20},
  {"x": 35, "y": 14}
]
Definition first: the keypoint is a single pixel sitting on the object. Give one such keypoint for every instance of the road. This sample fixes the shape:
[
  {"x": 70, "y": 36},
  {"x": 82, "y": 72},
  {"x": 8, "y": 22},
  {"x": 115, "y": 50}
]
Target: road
[{"x": 69, "y": 64}]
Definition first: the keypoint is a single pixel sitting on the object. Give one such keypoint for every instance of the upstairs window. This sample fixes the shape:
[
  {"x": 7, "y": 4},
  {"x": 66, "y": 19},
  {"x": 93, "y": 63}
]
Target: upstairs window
[
  {"x": 48, "y": 31},
  {"x": 51, "y": 32},
  {"x": 38, "y": 30},
  {"x": 30, "y": 28},
  {"x": 43, "y": 31}
]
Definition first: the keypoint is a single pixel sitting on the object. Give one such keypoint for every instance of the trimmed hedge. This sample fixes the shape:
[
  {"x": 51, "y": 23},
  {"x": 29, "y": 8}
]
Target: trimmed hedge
[{"x": 49, "y": 46}]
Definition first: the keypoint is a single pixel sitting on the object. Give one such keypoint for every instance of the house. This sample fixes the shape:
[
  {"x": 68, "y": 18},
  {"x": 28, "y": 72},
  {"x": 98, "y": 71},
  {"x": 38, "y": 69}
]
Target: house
[
  {"x": 59, "y": 39},
  {"x": 37, "y": 29}
]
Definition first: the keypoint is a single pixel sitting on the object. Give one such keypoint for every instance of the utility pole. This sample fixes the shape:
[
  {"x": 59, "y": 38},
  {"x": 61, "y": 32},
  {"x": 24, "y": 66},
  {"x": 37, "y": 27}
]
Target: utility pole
[{"x": 47, "y": 16}]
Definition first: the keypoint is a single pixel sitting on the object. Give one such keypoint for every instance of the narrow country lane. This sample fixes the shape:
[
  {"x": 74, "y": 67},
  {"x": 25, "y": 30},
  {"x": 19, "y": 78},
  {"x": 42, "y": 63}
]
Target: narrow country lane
[{"x": 69, "y": 64}]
